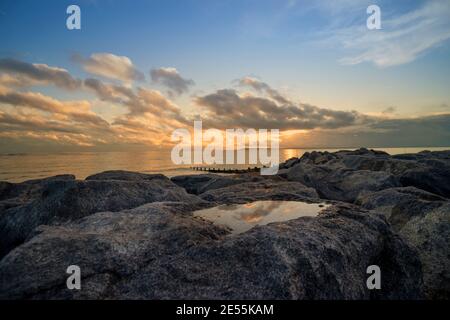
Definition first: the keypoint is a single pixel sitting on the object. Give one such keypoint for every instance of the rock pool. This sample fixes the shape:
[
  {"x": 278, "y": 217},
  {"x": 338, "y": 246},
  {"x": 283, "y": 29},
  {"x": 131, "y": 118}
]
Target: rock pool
[{"x": 242, "y": 217}]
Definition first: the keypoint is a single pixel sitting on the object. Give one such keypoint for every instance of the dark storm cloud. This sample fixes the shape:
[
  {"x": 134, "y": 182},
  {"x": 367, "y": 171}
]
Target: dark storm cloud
[{"x": 40, "y": 73}]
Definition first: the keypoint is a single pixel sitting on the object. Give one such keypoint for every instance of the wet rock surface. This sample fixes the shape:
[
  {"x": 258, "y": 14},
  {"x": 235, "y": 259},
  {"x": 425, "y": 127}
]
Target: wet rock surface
[{"x": 134, "y": 235}]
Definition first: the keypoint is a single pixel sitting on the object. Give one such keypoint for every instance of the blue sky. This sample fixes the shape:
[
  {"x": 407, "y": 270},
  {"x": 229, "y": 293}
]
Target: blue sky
[{"x": 314, "y": 52}]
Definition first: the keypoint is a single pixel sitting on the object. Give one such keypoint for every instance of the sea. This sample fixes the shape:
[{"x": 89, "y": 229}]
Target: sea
[{"x": 24, "y": 166}]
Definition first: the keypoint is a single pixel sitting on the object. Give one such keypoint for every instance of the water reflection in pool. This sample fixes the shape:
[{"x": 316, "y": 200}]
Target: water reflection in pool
[{"x": 242, "y": 217}]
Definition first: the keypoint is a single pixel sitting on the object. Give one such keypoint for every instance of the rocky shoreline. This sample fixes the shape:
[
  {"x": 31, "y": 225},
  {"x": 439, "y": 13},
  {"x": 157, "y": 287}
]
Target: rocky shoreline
[{"x": 134, "y": 235}]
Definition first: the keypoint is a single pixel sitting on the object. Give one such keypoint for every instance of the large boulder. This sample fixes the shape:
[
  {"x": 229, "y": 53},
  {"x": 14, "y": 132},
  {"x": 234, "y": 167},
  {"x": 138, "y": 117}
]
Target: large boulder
[
  {"x": 411, "y": 200},
  {"x": 16, "y": 194},
  {"x": 423, "y": 220},
  {"x": 193, "y": 183},
  {"x": 429, "y": 171},
  {"x": 52, "y": 201},
  {"x": 155, "y": 252},
  {"x": 266, "y": 189},
  {"x": 340, "y": 183},
  {"x": 125, "y": 176},
  {"x": 107, "y": 246},
  {"x": 198, "y": 184},
  {"x": 433, "y": 176}
]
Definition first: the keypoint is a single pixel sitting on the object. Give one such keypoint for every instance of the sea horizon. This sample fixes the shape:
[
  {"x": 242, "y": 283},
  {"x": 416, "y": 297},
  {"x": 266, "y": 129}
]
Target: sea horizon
[{"x": 19, "y": 167}]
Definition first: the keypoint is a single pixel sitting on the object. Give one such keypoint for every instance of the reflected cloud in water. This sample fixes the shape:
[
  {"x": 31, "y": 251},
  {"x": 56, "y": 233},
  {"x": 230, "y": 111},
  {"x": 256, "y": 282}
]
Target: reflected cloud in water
[{"x": 243, "y": 217}]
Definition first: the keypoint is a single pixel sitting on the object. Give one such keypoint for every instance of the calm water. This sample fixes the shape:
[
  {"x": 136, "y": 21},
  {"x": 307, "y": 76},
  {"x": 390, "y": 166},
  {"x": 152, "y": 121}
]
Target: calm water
[
  {"x": 20, "y": 167},
  {"x": 243, "y": 217}
]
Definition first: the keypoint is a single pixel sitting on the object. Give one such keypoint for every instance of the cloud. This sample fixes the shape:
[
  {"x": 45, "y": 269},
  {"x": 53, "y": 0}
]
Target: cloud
[
  {"x": 150, "y": 116},
  {"x": 109, "y": 92},
  {"x": 30, "y": 131},
  {"x": 32, "y": 118},
  {"x": 150, "y": 101},
  {"x": 171, "y": 78},
  {"x": 427, "y": 131},
  {"x": 305, "y": 125},
  {"x": 262, "y": 87},
  {"x": 138, "y": 102},
  {"x": 110, "y": 66},
  {"x": 21, "y": 73},
  {"x": 78, "y": 111},
  {"x": 389, "y": 110},
  {"x": 17, "y": 122},
  {"x": 403, "y": 38},
  {"x": 228, "y": 109}
]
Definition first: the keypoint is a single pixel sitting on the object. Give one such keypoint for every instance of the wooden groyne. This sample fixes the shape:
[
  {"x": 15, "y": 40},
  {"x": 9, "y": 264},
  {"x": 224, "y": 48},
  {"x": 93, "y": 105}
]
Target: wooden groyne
[{"x": 226, "y": 170}]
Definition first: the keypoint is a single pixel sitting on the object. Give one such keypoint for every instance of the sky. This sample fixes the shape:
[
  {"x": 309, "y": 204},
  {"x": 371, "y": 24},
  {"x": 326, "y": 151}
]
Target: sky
[{"x": 138, "y": 70}]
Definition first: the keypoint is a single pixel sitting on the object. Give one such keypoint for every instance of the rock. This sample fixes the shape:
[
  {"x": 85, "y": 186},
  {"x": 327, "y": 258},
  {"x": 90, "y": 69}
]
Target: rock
[
  {"x": 134, "y": 235},
  {"x": 362, "y": 151},
  {"x": 56, "y": 201},
  {"x": 52, "y": 178},
  {"x": 414, "y": 202},
  {"x": 125, "y": 176},
  {"x": 289, "y": 163},
  {"x": 198, "y": 184},
  {"x": 430, "y": 235},
  {"x": 418, "y": 211},
  {"x": 433, "y": 177},
  {"x": 152, "y": 252},
  {"x": 316, "y": 157},
  {"x": 340, "y": 184},
  {"x": 423, "y": 220},
  {"x": 424, "y": 155},
  {"x": 15, "y": 194},
  {"x": 107, "y": 246},
  {"x": 266, "y": 189},
  {"x": 429, "y": 171},
  {"x": 192, "y": 183},
  {"x": 376, "y": 163}
]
